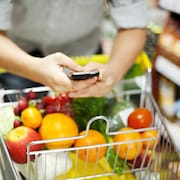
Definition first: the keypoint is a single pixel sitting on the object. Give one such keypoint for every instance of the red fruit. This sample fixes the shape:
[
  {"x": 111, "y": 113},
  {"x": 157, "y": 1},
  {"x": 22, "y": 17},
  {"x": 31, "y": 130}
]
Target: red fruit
[
  {"x": 22, "y": 103},
  {"x": 39, "y": 106},
  {"x": 64, "y": 99},
  {"x": 17, "y": 141},
  {"x": 67, "y": 110},
  {"x": 17, "y": 123},
  {"x": 51, "y": 109},
  {"x": 31, "y": 95},
  {"x": 143, "y": 159},
  {"x": 49, "y": 100},
  {"x": 140, "y": 118},
  {"x": 68, "y": 113},
  {"x": 17, "y": 110}
]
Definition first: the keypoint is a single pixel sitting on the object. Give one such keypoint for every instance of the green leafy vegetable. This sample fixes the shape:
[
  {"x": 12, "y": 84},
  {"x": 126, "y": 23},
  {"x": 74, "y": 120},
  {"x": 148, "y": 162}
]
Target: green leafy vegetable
[
  {"x": 86, "y": 108},
  {"x": 6, "y": 120},
  {"x": 115, "y": 162}
]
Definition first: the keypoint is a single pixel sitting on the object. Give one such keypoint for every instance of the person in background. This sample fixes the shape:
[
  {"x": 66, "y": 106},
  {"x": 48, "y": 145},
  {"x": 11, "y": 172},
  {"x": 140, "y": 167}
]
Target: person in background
[{"x": 38, "y": 37}]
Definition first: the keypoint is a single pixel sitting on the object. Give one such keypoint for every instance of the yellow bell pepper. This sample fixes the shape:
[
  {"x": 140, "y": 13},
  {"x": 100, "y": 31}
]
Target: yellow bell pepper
[{"x": 82, "y": 169}]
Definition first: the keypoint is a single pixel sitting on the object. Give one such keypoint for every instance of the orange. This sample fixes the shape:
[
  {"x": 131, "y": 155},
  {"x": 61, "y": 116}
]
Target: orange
[
  {"x": 128, "y": 150},
  {"x": 93, "y": 138},
  {"x": 153, "y": 133},
  {"x": 58, "y": 125},
  {"x": 31, "y": 117}
]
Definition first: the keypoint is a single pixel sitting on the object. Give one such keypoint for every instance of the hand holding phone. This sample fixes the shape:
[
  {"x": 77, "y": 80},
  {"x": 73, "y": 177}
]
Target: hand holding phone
[{"x": 83, "y": 75}]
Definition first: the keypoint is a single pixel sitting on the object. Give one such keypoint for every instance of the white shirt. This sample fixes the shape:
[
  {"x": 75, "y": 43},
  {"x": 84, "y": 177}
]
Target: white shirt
[{"x": 69, "y": 26}]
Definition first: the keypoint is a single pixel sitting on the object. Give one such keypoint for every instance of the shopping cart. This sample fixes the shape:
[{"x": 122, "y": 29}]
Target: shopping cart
[{"x": 162, "y": 162}]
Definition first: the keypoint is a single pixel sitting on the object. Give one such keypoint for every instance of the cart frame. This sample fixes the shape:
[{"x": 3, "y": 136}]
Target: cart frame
[{"x": 163, "y": 152}]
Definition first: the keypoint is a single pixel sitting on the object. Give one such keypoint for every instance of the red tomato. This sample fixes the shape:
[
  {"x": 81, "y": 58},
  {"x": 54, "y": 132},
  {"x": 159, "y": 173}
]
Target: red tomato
[{"x": 140, "y": 118}]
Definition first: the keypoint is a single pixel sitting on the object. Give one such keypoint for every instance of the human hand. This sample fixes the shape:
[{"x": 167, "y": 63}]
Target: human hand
[
  {"x": 50, "y": 73},
  {"x": 102, "y": 86}
]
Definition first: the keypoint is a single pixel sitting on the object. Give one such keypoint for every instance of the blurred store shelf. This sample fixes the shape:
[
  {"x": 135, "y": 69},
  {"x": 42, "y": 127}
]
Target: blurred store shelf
[{"x": 174, "y": 130}]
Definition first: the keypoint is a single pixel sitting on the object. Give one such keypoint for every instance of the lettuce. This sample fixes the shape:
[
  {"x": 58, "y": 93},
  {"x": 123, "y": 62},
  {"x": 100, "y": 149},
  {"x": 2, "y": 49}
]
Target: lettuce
[{"x": 6, "y": 120}]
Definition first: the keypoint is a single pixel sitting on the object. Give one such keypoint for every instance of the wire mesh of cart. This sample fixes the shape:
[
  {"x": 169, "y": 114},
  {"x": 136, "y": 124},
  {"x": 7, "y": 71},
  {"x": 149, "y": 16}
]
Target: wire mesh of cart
[{"x": 160, "y": 161}]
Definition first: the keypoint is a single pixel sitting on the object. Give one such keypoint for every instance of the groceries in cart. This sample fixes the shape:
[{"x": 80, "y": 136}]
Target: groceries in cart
[{"x": 54, "y": 136}]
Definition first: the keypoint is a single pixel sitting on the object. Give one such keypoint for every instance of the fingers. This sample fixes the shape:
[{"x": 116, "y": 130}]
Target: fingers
[
  {"x": 78, "y": 85},
  {"x": 87, "y": 92},
  {"x": 57, "y": 80},
  {"x": 60, "y": 83},
  {"x": 95, "y": 89},
  {"x": 93, "y": 66},
  {"x": 66, "y": 61},
  {"x": 96, "y": 66}
]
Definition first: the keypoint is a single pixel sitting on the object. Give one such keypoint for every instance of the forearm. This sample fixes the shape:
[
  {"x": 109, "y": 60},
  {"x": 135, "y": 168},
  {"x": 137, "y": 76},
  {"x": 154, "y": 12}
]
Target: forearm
[
  {"x": 127, "y": 45},
  {"x": 14, "y": 59},
  {"x": 46, "y": 70}
]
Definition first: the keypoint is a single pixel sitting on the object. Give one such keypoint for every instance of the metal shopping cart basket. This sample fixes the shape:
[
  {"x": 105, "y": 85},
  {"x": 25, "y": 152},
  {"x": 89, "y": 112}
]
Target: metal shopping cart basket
[{"x": 161, "y": 163}]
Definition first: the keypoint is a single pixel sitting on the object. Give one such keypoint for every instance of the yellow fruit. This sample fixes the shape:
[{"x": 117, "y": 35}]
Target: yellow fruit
[
  {"x": 93, "y": 138},
  {"x": 31, "y": 117},
  {"x": 58, "y": 125},
  {"x": 152, "y": 133},
  {"x": 81, "y": 168},
  {"x": 129, "y": 150}
]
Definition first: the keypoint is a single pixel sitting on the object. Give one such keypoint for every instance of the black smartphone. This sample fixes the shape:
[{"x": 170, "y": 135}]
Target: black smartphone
[{"x": 83, "y": 75}]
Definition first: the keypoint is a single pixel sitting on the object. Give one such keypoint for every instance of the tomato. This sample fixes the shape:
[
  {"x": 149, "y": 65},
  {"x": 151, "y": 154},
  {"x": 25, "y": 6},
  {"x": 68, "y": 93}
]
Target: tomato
[{"x": 140, "y": 118}]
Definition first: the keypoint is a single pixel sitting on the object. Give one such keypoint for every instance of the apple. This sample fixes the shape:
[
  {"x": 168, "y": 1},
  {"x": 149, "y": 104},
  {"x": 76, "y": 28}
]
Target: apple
[{"x": 17, "y": 141}]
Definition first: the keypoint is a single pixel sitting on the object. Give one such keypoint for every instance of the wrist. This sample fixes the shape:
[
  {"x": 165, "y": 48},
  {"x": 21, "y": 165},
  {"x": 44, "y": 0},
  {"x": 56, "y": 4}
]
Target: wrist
[
  {"x": 30, "y": 68},
  {"x": 116, "y": 70}
]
